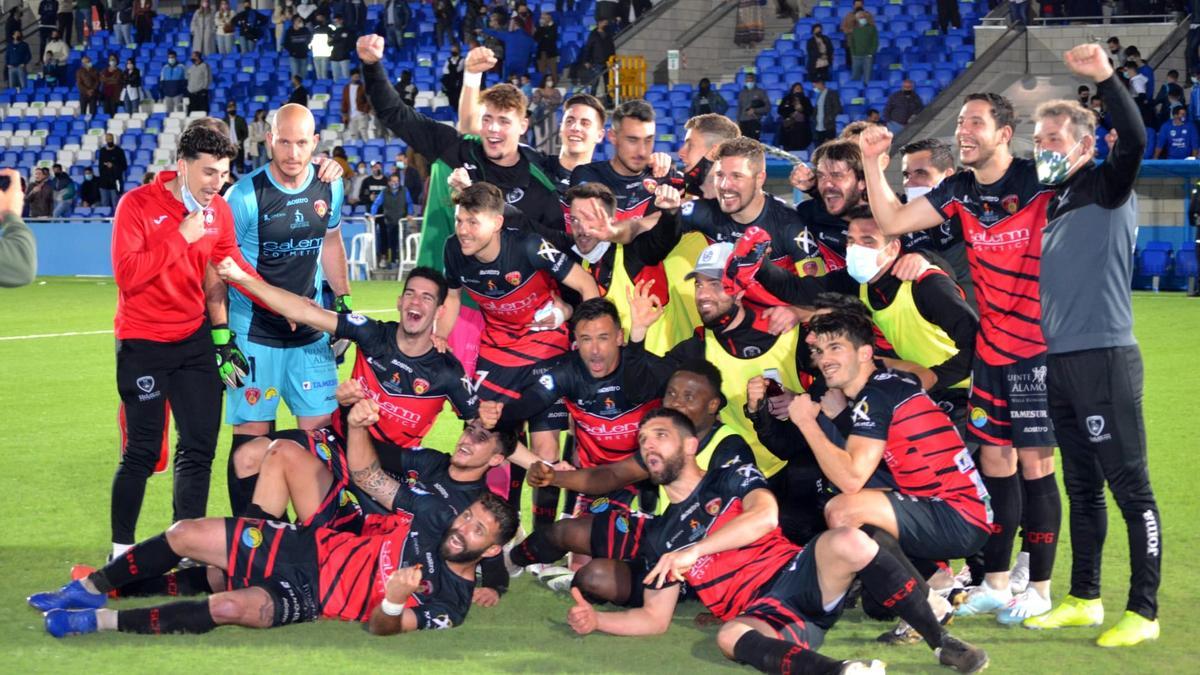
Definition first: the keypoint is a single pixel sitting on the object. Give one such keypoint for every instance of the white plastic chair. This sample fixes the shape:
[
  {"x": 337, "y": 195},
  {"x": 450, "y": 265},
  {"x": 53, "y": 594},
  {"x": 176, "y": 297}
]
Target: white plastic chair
[
  {"x": 362, "y": 251},
  {"x": 408, "y": 257}
]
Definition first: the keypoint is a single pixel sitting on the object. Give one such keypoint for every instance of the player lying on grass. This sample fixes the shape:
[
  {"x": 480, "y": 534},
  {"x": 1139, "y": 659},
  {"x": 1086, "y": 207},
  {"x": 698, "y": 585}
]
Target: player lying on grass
[
  {"x": 613, "y": 535},
  {"x": 396, "y": 365},
  {"x": 721, "y": 535},
  {"x": 400, "y": 573}
]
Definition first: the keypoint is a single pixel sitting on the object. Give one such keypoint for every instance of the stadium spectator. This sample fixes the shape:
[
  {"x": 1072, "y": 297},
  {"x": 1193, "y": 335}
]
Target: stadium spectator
[
  {"x": 395, "y": 206},
  {"x": 357, "y": 177},
  {"x": 65, "y": 192},
  {"x": 850, "y": 22},
  {"x": 828, "y": 107},
  {"x": 239, "y": 131},
  {"x": 339, "y": 156},
  {"x": 47, "y": 12},
  {"x": 39, "y": 195},
  {"x": 819, "y": 51},
  {"x": 143, "y": 21},
  {"x": 17, "y": 57},
  {"x": 748, "y": 24},
  {"x": 12, "y": 24},
  {"x": 223, "y": 27},
  {"x": 356, "y": 108},
  {"x": 1133, "y": 54},
  {"x": 281, "y": 17},
  {"x": 862, "y": 44},
  {"x": 1177, "y": 139},
  {"x": 396, "y": 15},
  {"x": 112, "y": 83},
  {"x": 199, "y": 81},
  {"x": 18, "y": 251},
  {"x": 321, "y": 46},
  {"x": 1166, "y": 109},
  {"x": 256, "y": 141},
  {"x": 606, "y": 10},
  {"x": 113, "y": 165},
  {"x": 131, "y": 93},
  {"x": 707, "y": 100},
  {"x": 546, "y": 37},
  {"x": 89, "y": 189},
  {"x": 355, "y": 15},
  {"x": 873, "y": 117},
  {"x": 522, "y": 19},
  {"x": 343, "y": 46},
  {"x": 901, "y": 107},
  {"x": 373, "y": 184},
  {"x": 795, "y": 119},
  {"x": 63, "y": 20},
  {"x": 103, "y": 16},
  {"x": 593, "y": 58},
  {"x": 948, "y": 15},
  {"x": 1116, "y": 53},
  {"x": 1018, "y": 12},
  {"x": 1085, "y": 96},
  {"x": 172, "y": 83},
  {"x": 251, "y": 25},
  {"x": 443, "y": 21},
  {"x": 87, "y": 80},
  {"x": 753, "y": 105},
  {"x": 83, "y": 21},
  {"x": 1170, "y": 94},
  {"x": 204, "y": 29},
  {"x": 406, "y": 88},
  {"x": 122, "y": 24},
  {"x": 54, "y": 60},
  {"x": 452, "y": 73},
  {"x": 296, "y": 41},
  {"x": 299, "y": 92}
]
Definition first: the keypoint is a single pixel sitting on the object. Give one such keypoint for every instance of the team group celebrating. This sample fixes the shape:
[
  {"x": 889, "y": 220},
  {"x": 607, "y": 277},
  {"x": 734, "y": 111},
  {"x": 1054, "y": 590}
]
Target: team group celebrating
[{"x": 775, "y": 411}]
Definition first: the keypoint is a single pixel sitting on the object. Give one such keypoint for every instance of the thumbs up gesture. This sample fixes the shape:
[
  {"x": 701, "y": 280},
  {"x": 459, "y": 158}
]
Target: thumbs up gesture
[{"x": 581, "y": 617}]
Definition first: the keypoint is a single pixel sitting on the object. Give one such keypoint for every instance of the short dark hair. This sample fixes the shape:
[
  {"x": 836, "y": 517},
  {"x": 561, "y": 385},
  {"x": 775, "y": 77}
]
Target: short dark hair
[
  {"x": 706, "y": 370},
  {"x": 589, "y": 101},
  {"x": 595, "y": 308},
  {"x": 1002, "y": 109},
  {"x": 507, "y": 518},
  {"x": 682, "y": 424},
  {"x": 940, "y": 152},
  {"x": 636, "y": 109},
  {"x": 507, "y": 440},
  {"x": 840, "y": 302},
  {"x": 840, "y": 150},
  {"x": 1172, "y": 73},
  {"x": 744, "y": 146},
  {"x": 853, "y": 326},
  {"x": 202, "y": 139},
  {"x": 478, "y": 197},
  {"x": 1083, "y": 88},
  {"x": 593, "y": 190},
  {"x": 852, "y": 130},
  {"x": 439, "y": 280}
]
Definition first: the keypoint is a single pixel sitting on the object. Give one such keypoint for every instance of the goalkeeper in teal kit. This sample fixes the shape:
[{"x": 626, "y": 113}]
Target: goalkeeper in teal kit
[{"x": 287, "y": 220}]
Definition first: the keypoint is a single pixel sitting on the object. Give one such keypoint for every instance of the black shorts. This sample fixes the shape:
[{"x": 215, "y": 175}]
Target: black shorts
[
  {"x": 341, "y": 507},
  {"x": 1010, "y": 404},
  {"x": 932, "y": 530},
  {"x": 505, "y": 384},
  {"x": 280, "y": 558},
  {"x": 791, "y": 603},
  {"x": 638, "y": 569},
  {"x": 617, "y": 533}
]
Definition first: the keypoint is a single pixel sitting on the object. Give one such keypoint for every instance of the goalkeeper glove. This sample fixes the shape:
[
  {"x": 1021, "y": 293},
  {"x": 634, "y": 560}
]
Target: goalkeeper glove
[
  {"x": 231, "y": 364},
  {"x": 342, "y": 304}
]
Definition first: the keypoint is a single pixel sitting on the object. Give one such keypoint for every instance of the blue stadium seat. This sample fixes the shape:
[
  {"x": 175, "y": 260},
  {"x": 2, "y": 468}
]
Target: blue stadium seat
[
  {"x": 1185, "y": 263},
  {"x": 1155, "y": 259}
]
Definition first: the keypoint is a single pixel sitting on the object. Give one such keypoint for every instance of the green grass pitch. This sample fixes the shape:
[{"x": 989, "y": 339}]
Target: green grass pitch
[{"x": 60, "y": 450}]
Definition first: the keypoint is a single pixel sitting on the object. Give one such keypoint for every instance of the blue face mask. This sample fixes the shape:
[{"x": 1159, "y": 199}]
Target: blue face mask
[{"x": 189, "y": 201}]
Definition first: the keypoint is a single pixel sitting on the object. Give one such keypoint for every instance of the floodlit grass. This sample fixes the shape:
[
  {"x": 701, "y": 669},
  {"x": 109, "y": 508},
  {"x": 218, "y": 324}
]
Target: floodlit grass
[{"x": 60, "y": 450}]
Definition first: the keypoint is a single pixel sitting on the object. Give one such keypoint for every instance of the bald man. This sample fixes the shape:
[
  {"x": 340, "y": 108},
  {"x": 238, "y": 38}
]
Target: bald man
[{"x": 286, "y": 221}]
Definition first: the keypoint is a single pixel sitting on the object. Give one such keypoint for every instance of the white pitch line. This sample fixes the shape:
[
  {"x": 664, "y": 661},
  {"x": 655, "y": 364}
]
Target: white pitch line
[{"x": 76, "y": 333}]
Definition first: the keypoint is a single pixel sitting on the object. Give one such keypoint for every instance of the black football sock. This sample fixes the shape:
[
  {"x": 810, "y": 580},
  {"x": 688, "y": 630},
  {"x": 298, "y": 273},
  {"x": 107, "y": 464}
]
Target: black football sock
[
  {"x": 776, "y": 656},
  {"x": 149, "y": 559},
  {"x": 925, "y": 567},
  {"x": 1006, "y": 510},
  {"x": 241, "y": 490},
  {"x": 545, "y": 506},
  {"x": 890, "y": 544},
  {"x": 1043, "y": 519},
  {"x": 185, "y": 582},
  {"x": 516, "y": 483},
  {"x": 895, "y": 587},
  {"x": 177, "y": 617},
  {"x": 536, "y": 548},
  {"x": 256, "y": 511}
]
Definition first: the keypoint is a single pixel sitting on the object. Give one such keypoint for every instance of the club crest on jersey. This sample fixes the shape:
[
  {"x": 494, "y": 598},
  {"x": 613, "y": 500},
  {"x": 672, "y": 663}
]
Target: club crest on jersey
[
  {"x": 321, "y": 208},
  {"x": 599, "y": 505},
  {"x": 145, "y": 383},
  {"x": 420, "y": 385},
  {"x": 1010, "y": 203},
  {"x": 622, "y": 524},
  {"x": 687, "y": 207},
  {"x": 322, "y": 451},
  {"x": 252, "y": 537},
  {"x": 516, "y": 195},
  {"x": 356, "y": 318},
  {"x": 252, "y": 395},
  {"x": 978, "y": 417},
  {"x": 649, "y": 184},
  {"x": 426, "y": 587},
  {"x": 713, "y": 507},
  {"x": 513, "y": 278},
  {"x": 861, "y": 414}
]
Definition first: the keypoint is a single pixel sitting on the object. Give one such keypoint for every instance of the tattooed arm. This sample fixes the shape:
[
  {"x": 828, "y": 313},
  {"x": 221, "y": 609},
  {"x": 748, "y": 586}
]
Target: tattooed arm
[{"x": 363, "y": 461}]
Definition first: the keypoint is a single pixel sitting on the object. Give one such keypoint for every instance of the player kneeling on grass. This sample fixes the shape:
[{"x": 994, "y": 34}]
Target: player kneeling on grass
[
  {"x": 721, "y": 535},
  {"x": 400, "y": 573}
]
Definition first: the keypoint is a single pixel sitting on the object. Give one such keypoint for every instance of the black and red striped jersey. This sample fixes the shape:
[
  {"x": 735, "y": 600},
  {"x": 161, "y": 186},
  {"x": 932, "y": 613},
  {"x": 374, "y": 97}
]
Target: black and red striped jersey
[
  {"x": 354, "y": 567},
  {"x": 725, "y": 582},
  {"x": 923, "y": 451},
  {"x": 815, "y": 240},
  {"x": 606, "y": 422},
  {"x": 1002, "y": 226},
  {"x": 410, "y": 391},
  {"x": 706, "y": 217},
  {"x": 635, "y": 194},
  {"x": 509, "y": 291}
]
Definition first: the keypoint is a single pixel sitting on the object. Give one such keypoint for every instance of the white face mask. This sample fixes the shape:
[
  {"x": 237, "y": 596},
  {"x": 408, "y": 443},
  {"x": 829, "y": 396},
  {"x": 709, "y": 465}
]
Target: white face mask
[
  {"x": 593, "y": 256},
  {"x": 861, "y": 262},
  {"x": 912, "y": 194}
]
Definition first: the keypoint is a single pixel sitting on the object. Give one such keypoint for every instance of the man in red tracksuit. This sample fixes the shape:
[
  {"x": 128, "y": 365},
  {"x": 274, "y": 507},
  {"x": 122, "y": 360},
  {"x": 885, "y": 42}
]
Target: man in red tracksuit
[{"x": 165, "y": 235}]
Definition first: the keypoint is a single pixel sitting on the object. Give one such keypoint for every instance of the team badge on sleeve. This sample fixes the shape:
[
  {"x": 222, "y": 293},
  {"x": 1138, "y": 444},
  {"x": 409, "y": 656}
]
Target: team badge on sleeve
[
  {"x": 513, "y": 278},
  {"x": 321, "y": 208},
  {"x": 356, "y": 318}
]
